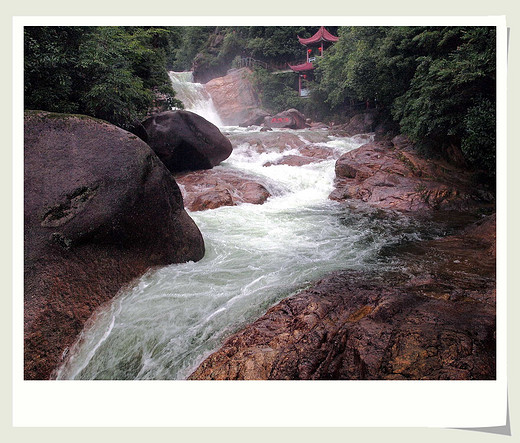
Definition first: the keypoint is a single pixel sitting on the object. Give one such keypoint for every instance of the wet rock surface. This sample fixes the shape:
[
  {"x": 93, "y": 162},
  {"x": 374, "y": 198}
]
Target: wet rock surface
[
  {"x": 291, "y": 118},
  {"x": 390, "y": 175},
  {"x": 236, "y": 99},
  {"x": 100, "y": 209},
  {"x": 294, "y": 160},
  {"x": 214, "y": 188},
  {"x": 306, "y": 154},
  {"x": 185, "y": 141},
  {"x": 434, "y": 318}
]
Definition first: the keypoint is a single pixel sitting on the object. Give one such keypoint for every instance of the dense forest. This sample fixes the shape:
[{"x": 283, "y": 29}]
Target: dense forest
[{"x": 436, "y": 83}]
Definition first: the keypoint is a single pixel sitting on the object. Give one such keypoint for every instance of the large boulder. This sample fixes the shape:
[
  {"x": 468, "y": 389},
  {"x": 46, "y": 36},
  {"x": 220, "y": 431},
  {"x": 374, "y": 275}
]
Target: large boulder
[
  {"x": 215, "y": 188},
  {"x": 435, "y": 320},
  {"x": 100, "y": 209},
  {"x": 256, "y": 118},
  {"x": 391, "y": 175},
  {"x": 236, "y": 99},
  {"x": 369, "y": 121},
  {"x": 185, "y": 141},
  {"x": 291, "y": 119}
]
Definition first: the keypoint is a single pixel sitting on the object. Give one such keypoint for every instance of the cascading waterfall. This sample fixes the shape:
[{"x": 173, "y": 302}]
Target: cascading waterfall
[
  {"x": 173, "y": 317},
  {"x": 194, "y": 97}
]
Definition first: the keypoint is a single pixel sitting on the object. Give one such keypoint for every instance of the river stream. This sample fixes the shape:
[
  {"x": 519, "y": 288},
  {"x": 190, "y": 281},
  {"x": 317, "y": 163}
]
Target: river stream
[{"x": 173, "y": 317}]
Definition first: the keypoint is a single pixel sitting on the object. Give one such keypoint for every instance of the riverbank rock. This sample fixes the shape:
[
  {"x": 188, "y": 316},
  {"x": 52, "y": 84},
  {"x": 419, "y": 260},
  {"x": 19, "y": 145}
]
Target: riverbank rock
[
  {"x": 362, "y": 123},
  {"x": 293, "y": 160},
  {"x": 256, "y": 118},
  {"x": 306, "y": 154},
  {"x": 392, "y": 176},
  {"x": 99, "y": 210},
  {"x": 236, "y": 99},
  {"x": 214, "y": 188},
  {"x": 292, "y": 119},
  {"x": 433, "y": 320},
  {"x": 185, "y": 141}
]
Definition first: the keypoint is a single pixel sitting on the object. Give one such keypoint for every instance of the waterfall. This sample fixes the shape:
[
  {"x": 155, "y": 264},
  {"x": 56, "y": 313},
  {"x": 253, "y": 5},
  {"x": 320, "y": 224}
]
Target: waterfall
[{"x": 194, "y": 96}]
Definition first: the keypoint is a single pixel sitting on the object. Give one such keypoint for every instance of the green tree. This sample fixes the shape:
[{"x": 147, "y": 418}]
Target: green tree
[
  {"x": 50, "y": 58},
  {"x": 437, "y": 82},
  {"x": 113, "y": 73},
  {"x": 451, "y": 99}
]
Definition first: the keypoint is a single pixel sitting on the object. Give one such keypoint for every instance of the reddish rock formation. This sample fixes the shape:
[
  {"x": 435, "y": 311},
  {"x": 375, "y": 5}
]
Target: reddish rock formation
[
  {"x": 294, "y": 160},
  {"x": 185, "y": 141},
  {"x": 393, "y": 176},
  {"x": 317, "y": 152},
  {"x": 235, "y": 98},
  {"x": 214, "y": 188},
  {"x": 362, "y": 123},
  {"x": 100, "y": 209},
  {"x": 309, "y": 154},
  {"x": 256, "y": 118},
  {"x": 435, "y": 320},
  {"x": 292, "y": 119}
]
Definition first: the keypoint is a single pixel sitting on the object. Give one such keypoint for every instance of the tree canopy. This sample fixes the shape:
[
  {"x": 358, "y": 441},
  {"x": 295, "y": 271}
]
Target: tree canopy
[
  {"x": 438, "y": 83},
  {"x": 113, "y": 73}
]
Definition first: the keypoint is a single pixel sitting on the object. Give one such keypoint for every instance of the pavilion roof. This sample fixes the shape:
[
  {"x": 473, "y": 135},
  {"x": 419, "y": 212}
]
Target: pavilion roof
[
  {"x": 303, "y": 67},
  {"x": 321, "y": 35}
]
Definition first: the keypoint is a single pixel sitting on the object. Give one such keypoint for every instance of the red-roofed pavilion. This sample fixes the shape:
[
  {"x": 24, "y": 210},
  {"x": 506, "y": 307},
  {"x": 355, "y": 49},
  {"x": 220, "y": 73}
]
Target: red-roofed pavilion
[
  {"x": 320, "y": 41},
  {"x": 317, "y": 39}
]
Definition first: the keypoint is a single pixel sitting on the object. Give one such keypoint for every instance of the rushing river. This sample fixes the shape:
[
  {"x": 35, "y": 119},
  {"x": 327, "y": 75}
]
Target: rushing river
[{"x": 173, "y": 317}]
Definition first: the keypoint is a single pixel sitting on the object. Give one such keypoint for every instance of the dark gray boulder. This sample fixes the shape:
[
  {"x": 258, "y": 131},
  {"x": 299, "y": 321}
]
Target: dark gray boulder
[{"x": 185, "y": 141}]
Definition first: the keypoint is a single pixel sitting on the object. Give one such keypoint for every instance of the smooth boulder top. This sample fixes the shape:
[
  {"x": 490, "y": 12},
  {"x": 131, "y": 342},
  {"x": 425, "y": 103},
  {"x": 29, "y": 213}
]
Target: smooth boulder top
[
  {"x": 185, "y": 141},
  {"x": 100, "y": 209}
]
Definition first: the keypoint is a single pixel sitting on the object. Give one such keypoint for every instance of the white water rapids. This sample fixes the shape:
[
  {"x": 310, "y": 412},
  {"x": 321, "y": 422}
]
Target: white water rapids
[{"x": 173, "y": 317}]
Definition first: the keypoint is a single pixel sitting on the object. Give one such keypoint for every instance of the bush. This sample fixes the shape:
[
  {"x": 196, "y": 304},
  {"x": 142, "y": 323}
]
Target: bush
[{"x": 479, "y": 140}]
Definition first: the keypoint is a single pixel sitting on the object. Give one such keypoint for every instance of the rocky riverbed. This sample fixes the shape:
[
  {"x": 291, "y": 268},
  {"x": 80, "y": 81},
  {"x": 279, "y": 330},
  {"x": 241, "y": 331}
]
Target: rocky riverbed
[
  {"x": 428, "y": 311},
  {"x": 434, "y": 319}
]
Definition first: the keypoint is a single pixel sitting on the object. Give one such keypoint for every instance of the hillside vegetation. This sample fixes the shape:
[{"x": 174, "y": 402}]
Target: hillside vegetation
[{"x": 436, "y": 83}]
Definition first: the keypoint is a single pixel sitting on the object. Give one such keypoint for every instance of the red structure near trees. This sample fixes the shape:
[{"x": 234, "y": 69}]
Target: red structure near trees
[{"x": 315, "y": 46}]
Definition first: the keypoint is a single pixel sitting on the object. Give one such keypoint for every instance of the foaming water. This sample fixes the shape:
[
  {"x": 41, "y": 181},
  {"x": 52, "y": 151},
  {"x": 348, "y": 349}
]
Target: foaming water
[
  {"x": 194, "y": 97},
  {"x": 165, "y": 325}
]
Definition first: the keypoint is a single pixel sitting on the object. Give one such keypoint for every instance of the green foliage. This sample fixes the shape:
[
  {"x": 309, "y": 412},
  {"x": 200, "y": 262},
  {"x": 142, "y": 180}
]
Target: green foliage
[
  {"x": 275, "y": 43},
  {"x": 480, "y": 136},
  {"x": 437, "y": 82},
  {"x": 51, "y": 54},
  {"x": 367, "y": 63},
  {"x": 192, "y": 40},
  {"x": 214, "y": 49},
  {"x": 450, "y": 91},
  {"x": 277, "y": 92},
  {"x": 112, "y": 73}
]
